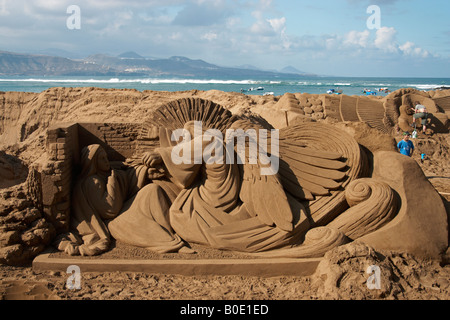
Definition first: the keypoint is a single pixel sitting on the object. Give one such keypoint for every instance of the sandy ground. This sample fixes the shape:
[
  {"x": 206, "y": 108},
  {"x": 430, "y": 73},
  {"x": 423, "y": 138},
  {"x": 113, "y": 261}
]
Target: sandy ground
[{"x": 342, "y": 275}]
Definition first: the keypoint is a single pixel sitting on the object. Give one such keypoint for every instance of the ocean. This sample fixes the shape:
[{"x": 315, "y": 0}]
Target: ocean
[{"x": 276, "y": 86}]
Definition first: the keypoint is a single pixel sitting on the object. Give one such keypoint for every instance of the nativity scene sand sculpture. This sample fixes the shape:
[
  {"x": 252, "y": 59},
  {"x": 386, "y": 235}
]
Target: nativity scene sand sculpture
[{"x": 324, "y": 192}]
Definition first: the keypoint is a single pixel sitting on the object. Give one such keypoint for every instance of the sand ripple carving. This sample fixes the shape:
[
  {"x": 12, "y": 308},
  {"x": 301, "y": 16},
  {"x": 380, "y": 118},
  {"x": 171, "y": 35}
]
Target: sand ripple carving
[
  {"x": 372, "y": 205},
  {"x": 317, "y": 242}
]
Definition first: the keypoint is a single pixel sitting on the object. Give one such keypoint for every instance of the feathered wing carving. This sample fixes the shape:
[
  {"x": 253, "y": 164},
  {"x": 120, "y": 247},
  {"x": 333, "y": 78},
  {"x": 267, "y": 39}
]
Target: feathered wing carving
[
  {"x": 175, "y": 114},
  {"x": 263, "y": 195},
  {"x": 317, "y": 162},
  {"x": 305, "y": 172}
]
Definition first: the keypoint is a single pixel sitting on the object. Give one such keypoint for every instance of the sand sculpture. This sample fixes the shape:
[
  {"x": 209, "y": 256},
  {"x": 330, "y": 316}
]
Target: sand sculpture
[
  {"x": 331, "y": 190},
  {"x": 322, "y": 195},
  {"x": 101, "y": 194}
]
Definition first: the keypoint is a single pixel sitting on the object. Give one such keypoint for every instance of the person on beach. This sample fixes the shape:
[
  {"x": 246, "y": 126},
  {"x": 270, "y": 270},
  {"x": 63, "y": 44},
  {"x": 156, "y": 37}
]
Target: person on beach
[
  {"x": 405, "y": 146},
  {"x": 420, "y": 112}
]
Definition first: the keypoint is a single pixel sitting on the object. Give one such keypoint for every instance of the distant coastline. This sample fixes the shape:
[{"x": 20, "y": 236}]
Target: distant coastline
[
  {"x": 130, "y": 64},
  {"x": 36, "y": 73},
  {"x": 270, "y": 85}
]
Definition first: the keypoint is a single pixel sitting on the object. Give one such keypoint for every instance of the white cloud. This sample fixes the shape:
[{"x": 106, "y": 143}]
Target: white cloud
[
  {"x": 266, "y": 26},
  {"x": 386, "y": 39},
  {"x": 265, "y": 4},
  {"x": 185, "y": 27},
  {"x": 176, "y": 36},
  {"x": 51, "y": 5},
  {"x": 233, "y": 22},
  {"x": 210, "y": 36},
  {"x": 278, "y": 25},
  {"x": 357, "y": 38},
  {"x": 203, "y": 13},
  {"x": 3, "y": 8},
  {"x": 410, "y": 49},
  {"x": 366, "y": 43}
]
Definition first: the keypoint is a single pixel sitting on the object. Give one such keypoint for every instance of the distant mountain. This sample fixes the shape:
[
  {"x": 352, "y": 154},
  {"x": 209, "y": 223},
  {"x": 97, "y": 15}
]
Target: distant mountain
[
  {"x": 130, "y": 55},
  {"x": 292, "y": 70},
  {"x": 128, "y": 63},
  {"x": 59, "y": 53},
  {"x": 179, "y": 66},
  {"x": 248, "y": 67},
  {"x": 25, "y": 64}
]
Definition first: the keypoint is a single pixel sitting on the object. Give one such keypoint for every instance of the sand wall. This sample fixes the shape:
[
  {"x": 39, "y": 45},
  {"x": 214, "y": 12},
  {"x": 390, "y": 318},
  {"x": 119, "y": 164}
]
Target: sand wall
[{"x": 25, "y": 115}]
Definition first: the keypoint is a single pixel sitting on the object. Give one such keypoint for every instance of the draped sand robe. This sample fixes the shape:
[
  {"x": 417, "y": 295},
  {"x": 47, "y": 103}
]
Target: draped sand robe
[
  {"x": 141, "y": 220},
  {"x": 209, "y": 211},
  {"x": 144, "y": 222},
  {"x": 97, "y": 196}
]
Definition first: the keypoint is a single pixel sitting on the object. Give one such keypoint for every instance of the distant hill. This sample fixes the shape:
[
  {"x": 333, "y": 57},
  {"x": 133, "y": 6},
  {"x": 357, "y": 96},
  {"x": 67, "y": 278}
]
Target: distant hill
[
  {"x": 290, "y": 69},
  {"x": 248, "y": 67},
  {"x": 58, "y": 53},
  {"x": 130, "y": 55},
  {"x": 43, "y": 65},
  {"x": 179, "y": 66},
  {"x": 128, "y": 63}
]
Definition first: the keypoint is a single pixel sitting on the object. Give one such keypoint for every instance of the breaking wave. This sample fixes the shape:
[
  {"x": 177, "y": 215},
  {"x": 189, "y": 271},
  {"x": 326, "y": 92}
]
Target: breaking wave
[{"x": 142, "y": 81}]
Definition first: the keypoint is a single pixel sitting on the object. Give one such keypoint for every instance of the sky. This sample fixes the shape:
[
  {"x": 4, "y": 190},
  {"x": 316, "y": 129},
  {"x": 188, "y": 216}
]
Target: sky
[{"x": 361, "y": 38}]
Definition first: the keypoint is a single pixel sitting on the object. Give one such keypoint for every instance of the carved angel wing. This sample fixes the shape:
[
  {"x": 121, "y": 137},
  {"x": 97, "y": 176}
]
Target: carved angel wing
[
  {"x": 175, "y": 114},
  {"x": 307, "y": 173},
  {"x": 263, "y": 195},
  {"x": 316, "y": 159},
  {"x": 310, "y": 167}
]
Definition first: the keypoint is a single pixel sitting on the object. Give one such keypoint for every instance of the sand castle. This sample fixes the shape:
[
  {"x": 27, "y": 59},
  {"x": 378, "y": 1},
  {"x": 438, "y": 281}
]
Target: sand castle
[{"x": 334, "y": 185}]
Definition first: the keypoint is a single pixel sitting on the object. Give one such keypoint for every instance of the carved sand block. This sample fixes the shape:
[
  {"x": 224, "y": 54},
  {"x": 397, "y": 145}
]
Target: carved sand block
[
  {"x": 421, "y": 225},
  {"x": 404, "y": 101}
]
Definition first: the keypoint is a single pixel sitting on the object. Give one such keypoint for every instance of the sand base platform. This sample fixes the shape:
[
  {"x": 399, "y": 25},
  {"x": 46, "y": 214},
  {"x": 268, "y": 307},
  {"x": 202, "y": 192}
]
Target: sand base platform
[{"x": 244, "y": 267}]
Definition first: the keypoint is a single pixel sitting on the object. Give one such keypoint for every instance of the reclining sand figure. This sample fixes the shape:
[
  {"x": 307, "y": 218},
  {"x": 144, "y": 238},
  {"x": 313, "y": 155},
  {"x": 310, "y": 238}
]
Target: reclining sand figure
[
  {"x": 121, "y": 198},
  {"x": 218, "y": 207}
]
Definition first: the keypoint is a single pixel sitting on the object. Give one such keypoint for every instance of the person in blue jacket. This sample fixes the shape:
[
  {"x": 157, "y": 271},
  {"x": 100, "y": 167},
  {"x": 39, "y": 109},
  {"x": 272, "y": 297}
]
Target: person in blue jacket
[{"x": 406, "y": 146}]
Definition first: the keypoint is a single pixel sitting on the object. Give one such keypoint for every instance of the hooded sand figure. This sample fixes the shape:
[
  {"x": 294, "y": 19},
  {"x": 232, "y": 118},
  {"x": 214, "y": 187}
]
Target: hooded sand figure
[{"x": 119, "y": 203}]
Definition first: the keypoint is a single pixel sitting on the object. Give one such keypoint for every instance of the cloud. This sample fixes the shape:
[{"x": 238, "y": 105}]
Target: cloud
[
  {"x": 373, "y": 2},
  {"x": 226, "y": 32},
  {"x": 278, "y": 25},
  {"x": 381, "y": 44},
  {"x": 357, "y": 38},
  {"x": 386, "y": 39},
  {"x": 410, "y": 49},
  {"x": 3, "y": 8},
  {"x": 203, "y": 13},
  {"x": 262, "y": 27},
  {"x": 210, "y": 36}
]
